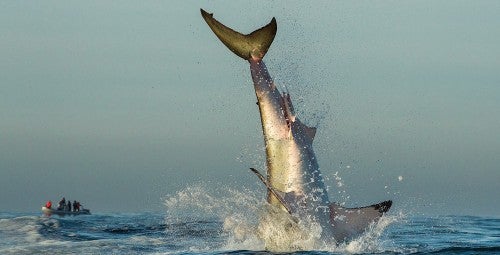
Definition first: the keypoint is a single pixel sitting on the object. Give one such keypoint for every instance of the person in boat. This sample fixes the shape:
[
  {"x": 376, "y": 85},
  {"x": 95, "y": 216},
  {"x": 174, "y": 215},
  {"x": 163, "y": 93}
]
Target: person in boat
[
  {"x": 77, "y": 206},
  {"x": 48, "y": 205},
  {"x": 61, "y": 204},
  {"x": 74, "y": 206},
  {"x": 68, "y": 208}
]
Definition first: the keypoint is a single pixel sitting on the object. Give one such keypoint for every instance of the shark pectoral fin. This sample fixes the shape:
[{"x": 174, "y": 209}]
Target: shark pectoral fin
[
  {"x": 350, "y": 222},
  {"x": 253, "y": 45},
  {"x": 278, "y": 194}
]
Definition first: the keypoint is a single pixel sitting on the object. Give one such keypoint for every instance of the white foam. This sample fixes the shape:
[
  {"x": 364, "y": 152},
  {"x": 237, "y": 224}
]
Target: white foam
[
  {"x": 24, "y": 228},
  {"x": 22, "y": 234},
  {"x": 249, "y": 223}
]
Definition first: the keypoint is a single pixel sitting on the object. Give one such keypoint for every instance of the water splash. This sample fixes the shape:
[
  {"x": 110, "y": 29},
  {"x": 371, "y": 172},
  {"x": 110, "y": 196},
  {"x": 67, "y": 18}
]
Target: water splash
[
  {"x": 247, "y": 222},
  {"x": 282, "y": 232},
  {"x": 371, "y": 241},
  {"x": 236, "y": 210},
  {"x": 212, "y": 201}
]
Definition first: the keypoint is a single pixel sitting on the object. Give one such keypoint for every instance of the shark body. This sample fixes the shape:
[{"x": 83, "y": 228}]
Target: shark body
[{"x": 293, "y": 180}]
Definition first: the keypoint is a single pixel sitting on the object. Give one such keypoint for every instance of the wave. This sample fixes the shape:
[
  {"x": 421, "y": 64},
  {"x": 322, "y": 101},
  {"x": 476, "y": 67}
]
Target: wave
[
  {"x": 464, "y": 250},
  {"x": 219, "y": 220},
  {"x": 95, "y": 234}
]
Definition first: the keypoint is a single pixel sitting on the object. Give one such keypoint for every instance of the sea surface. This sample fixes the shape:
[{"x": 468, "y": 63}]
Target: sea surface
[{"x": 223, "y": 226}]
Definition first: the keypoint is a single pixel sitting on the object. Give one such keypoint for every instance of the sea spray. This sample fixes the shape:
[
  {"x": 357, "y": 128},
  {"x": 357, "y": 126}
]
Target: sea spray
[
  {"x": 248, "y": 222},
  {"x": 282, "y": 232},
  {"x": 370, "y": 241},
  {"x": 212, "y": 201},
  {"x": 236, "y": 210}
]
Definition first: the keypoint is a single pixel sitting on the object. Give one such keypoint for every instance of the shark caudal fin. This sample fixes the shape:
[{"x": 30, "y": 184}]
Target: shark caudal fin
[
  {"x": 251, "y": 46},
  {"x": 351, "y": 222}
]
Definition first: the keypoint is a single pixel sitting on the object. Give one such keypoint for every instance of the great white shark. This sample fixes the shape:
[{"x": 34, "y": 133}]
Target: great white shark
[{"x": 294, "y": 181}]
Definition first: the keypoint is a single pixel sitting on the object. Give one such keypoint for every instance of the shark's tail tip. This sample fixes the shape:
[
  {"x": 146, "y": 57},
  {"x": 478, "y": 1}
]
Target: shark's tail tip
[
  {"x": 205, "y": 13},
  {"x": 251, "y": 46}
]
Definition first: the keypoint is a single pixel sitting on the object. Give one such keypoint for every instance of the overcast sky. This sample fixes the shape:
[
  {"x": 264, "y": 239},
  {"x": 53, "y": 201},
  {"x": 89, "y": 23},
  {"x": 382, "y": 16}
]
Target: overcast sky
[{"x": 119, "y": 104}]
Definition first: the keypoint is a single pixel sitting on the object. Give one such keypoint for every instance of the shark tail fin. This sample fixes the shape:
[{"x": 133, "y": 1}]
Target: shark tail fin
[
  {"x": 251, "y": 46},
  {"x": 351, "y": 222}
]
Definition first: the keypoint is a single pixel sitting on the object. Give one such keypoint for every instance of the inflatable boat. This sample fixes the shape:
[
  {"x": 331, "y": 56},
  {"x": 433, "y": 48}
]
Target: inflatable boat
[{"x": 50, "y": 211}]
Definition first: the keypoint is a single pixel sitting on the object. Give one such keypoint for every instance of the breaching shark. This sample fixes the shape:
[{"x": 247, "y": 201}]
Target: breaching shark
[{"x": 294, "y": 181}]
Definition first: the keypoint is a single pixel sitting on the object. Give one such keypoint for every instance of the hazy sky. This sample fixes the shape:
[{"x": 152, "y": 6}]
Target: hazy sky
[{"x": 121, "y": 103}]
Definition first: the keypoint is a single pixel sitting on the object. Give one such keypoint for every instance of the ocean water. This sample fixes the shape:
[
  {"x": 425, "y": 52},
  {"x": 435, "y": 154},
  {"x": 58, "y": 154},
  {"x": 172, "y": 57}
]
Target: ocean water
[{"x": 195, "y": 222}]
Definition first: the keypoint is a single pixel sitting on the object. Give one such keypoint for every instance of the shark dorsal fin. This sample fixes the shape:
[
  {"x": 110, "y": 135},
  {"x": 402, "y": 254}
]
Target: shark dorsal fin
[
  {"x": 310, "y": 132},
  {"x": 303, "y": 132}
]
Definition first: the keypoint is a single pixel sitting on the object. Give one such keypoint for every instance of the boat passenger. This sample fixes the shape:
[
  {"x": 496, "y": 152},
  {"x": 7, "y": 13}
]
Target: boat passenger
[
  {"x": 48, "y": 205},
  {"x": 61, "y": 204},
  {"x": 69, "y": 206},
  {"x": 74, "y": 206}
]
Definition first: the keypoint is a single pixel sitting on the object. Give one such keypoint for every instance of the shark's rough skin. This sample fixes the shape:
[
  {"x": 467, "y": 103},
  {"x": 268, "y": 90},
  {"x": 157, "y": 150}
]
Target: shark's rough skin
[{"x": 294, "y": 181}]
